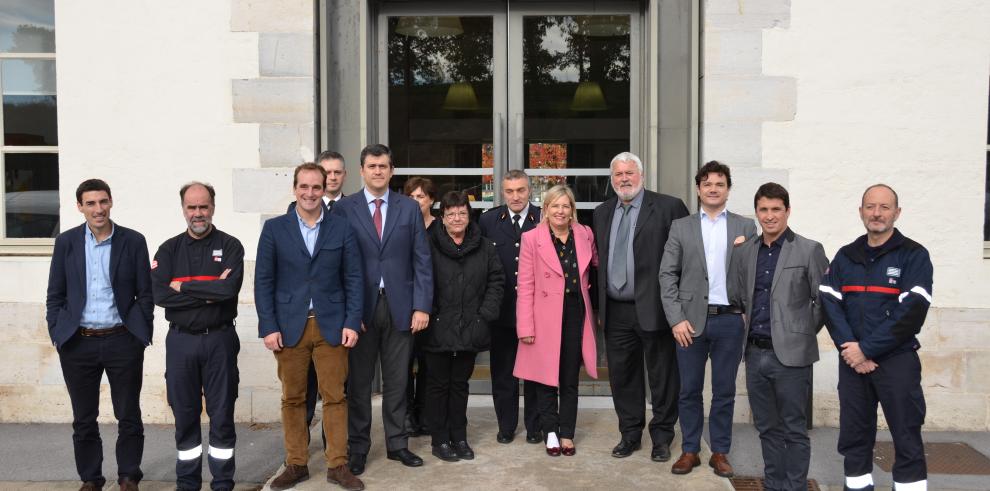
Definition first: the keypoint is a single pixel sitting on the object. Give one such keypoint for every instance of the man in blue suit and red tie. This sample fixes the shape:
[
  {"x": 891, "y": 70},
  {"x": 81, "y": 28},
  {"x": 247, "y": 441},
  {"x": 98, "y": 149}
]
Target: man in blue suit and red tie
[
  {"x": 100, "y": 313},
  {"x": 398, "y": 295},
  {"x": 307, "y": 289}
]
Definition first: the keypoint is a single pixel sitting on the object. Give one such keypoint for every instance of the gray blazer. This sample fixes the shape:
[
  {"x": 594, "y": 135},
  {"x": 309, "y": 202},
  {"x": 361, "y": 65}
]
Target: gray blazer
[
  {"x": 797, "y": 314},
  {"x": 684, "y": 271}
]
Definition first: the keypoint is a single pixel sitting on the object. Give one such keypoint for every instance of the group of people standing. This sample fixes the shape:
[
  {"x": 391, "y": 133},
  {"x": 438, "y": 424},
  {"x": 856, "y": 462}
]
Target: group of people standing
[{"x": 343, "y": 284}]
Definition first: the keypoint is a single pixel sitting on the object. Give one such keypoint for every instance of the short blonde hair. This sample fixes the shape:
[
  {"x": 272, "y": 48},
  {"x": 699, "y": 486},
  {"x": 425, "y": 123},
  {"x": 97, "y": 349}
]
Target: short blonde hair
[{"x": 555, "y": 193}]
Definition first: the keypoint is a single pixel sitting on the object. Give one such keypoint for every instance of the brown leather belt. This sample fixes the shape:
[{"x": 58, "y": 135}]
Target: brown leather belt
[{"x": 100, "y": 333}]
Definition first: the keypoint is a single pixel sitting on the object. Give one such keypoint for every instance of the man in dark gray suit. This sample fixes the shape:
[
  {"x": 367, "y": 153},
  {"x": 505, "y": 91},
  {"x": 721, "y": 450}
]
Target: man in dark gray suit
[
  {"x": 777, "y": 276},
  {"x": 695, "y": 294},
  {"x": 630, "y": 231}
]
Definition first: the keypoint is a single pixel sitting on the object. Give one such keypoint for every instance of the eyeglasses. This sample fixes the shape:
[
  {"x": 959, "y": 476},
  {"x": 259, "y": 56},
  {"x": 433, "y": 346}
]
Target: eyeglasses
[{"x": 456, "y": 214}]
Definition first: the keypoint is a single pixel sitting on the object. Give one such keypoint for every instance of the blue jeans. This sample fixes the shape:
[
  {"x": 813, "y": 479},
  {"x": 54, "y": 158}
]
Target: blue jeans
[{"x": 722, "y": 341}]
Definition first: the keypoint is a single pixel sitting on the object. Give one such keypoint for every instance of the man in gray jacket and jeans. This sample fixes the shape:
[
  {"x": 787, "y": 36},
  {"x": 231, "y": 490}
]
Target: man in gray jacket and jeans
[{"x": 777, "y": 275}]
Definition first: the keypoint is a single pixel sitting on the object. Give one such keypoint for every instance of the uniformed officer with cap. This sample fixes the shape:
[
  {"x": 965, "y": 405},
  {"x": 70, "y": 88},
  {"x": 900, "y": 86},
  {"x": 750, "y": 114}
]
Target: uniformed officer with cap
[
  {"x": 504, "y": 225},
  {"x": 196, "y": 277}
]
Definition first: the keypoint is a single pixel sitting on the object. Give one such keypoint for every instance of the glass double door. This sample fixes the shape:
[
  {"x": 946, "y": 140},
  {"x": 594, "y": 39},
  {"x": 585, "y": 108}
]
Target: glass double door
[{"x": 467, "y": 92}]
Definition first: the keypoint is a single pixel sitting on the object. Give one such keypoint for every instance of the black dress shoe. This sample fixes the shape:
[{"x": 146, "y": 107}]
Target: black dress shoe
[
  {"x": 504, "y": 437},
  {"x": 660, "y": 453},
  {"x": 445, "y": 452},
  {"x": 463, "y": 450},
  {"x": 356, "y": 462},
  {"x": 407, "y": 458},
  {"x": 625, "y": 448},
  {"x": 535, "y": 437}
]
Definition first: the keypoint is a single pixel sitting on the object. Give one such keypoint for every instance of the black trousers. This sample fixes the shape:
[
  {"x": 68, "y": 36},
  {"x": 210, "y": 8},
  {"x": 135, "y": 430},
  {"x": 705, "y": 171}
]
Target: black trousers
[
  {"x": 896, "y": 386},
  {"x": 392, "y": 347},
  {"x": 199, "y": 366},
  {"x": 505, "y": 387},
  {"x": 626, "y": 346},
  {"x": 84, "y": 360},
  {"x": 778, "y": 397},
  {"x": 416, "y": 386},
  {"x": 562, "y": 418},
  {"x": 447, "y": 394}
]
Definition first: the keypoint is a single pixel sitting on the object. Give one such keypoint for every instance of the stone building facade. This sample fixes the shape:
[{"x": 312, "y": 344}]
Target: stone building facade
[{"x": 822, "y": 97}]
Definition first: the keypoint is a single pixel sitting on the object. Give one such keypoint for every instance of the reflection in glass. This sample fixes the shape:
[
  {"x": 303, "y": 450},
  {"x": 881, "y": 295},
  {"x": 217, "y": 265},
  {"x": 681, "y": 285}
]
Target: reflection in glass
[
  {"x": 27, "y": 26},
  {"x": 439, "y": 91},
  {"x": 472, "y": 185},
  {"x": 31, "y": 195},
  {"x": 576, "y": 92},
  {"x": 29, "y": 105}
]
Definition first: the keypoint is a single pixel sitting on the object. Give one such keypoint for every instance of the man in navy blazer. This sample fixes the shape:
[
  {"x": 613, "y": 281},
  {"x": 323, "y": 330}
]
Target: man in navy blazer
[
  {"x": 333, "y": 163},
  {"x": 99, "y": 312},
  {"x": 308, "y": 293},
  {"x": 398, "y": 295}
]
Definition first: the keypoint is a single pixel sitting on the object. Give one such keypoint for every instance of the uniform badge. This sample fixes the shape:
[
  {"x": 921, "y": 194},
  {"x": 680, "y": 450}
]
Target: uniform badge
[
  {"x": 894, "y": 272},
  {"x": 154, "y": 264}
]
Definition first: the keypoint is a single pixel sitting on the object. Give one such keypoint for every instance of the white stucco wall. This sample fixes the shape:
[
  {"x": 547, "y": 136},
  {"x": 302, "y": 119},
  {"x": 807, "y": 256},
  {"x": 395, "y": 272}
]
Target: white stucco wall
[{"x": 889, "y": 91}]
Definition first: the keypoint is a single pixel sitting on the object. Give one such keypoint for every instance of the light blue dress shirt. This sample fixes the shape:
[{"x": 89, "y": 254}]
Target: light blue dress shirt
[
  {"x": 101, "y": 308},
  {"x": 371, "y": 208},
  {"x": 309, "y": 235},
  {"x": 715, "y": 235}
]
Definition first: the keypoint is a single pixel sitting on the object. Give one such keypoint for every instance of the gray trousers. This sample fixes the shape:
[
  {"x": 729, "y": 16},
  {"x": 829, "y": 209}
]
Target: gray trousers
[
  {"x": 381, "y": 341},
  {"x": 777, "y": 397}
]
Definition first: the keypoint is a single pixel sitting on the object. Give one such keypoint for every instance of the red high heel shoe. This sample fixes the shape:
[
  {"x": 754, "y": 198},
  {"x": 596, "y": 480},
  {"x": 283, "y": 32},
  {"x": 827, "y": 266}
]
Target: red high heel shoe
[
  {"x": 553, "y": 451},
  {"x": 568, "y": 451}
]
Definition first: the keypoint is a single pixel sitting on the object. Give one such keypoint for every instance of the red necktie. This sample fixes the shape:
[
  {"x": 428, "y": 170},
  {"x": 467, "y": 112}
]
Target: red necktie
[{"x": 378, "y": 217}]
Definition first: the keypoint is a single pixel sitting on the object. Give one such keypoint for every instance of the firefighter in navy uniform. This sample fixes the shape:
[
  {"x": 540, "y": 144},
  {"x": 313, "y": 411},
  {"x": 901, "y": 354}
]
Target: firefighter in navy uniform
[
  {"x": 196, "y": 277},
  {"x": 504, "y": 225},
  {"x": 876, "y": 294}
]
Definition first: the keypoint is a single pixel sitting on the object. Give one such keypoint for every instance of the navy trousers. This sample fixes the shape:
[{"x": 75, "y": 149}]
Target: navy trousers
[
  {"x": 505, "y": 387},
  {"x": 84, "y": 360},
  {"x": 896, "y": 386},
  {"x": 722, "y": 341},
  {"x": 198, "y": 366}
]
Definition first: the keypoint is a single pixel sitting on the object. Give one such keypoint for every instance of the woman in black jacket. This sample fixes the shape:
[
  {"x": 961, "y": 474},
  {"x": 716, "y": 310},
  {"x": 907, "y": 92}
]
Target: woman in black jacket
[{"x": 468, "y": 282}]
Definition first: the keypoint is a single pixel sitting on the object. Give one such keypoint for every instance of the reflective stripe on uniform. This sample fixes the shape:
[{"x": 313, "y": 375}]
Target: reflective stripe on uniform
[
  {"x": 191, "y": 454},
  {"x": 912, "y": 486},
  {"x": 221, "y": 453},
  {"x": 830, "y": 291},
  {"x": 859, "y": 482}
]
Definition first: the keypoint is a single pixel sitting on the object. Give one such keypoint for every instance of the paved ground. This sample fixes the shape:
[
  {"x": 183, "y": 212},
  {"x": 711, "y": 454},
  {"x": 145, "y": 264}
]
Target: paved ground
[{"x": 39, "y": 457}]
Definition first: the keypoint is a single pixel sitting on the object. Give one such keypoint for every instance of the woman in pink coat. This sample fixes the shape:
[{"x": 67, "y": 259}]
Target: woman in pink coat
[{"x": 554, "y": 319}]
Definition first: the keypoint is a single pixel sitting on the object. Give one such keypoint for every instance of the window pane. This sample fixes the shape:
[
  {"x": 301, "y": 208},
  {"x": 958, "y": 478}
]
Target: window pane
[
  {"x": 27, "y": 26},
  {"x": 29, "y": 102},
  {"x": 31, "y": 195},
  {"x": 576, "y": 86},
  {"x": 439, "y": 90}
]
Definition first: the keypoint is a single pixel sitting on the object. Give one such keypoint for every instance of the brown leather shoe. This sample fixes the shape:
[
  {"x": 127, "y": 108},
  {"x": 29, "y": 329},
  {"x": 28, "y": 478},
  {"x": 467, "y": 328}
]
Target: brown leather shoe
[
  {"x": 126, "y": 484},
  {"x": 292, "y": 475},
  {"x": 687, "y": 462},
  {"x": 90, "y": 486},
  {"x": 720, "y": 463},
  {"x": 342, "y": 476}
]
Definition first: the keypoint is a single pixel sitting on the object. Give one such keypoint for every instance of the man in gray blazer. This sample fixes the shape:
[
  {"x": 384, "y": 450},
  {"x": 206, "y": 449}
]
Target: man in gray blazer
[
  {"x": 777, "y": 276},
  {"x": 695, "y": 296}
]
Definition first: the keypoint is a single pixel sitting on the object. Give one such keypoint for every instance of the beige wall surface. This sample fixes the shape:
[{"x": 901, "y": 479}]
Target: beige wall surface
[
  {"x": 888, "y": 91},
  {"x": 824, "y": 98}
]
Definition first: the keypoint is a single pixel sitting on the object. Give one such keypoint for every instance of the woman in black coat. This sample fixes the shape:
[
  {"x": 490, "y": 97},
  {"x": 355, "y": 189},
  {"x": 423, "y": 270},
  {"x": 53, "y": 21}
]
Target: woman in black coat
[{"x": 468, "y": 282}]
